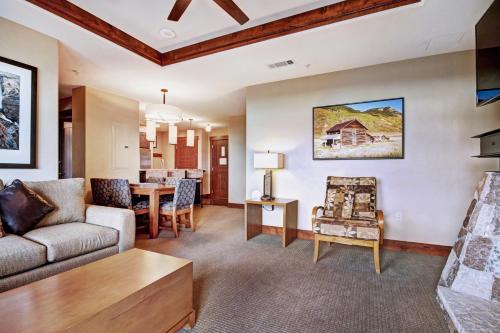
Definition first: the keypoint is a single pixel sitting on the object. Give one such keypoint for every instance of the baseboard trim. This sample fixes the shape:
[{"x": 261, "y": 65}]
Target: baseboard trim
[
  {"x": 389, "y": 244},
  {"x": 235, "y": 205}
]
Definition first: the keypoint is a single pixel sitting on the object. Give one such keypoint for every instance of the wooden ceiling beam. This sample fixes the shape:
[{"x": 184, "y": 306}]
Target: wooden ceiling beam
[
  {"x": 337, "y": 12},
  {"x": 90, "y": 22},
  {"x": 340, "y": 11}
]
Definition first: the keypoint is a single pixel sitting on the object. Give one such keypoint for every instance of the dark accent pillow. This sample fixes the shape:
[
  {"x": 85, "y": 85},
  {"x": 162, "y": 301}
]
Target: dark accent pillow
[{"x": 21, "y": 209}]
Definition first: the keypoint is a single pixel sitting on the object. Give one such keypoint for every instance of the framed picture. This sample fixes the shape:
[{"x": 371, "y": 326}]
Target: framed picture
[
  {"x": 18, "y": 101},
  {"x": 364, "y": 130}
]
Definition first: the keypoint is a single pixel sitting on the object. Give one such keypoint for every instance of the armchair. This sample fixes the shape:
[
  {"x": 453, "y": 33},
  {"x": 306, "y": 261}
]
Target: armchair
[{"x": 349, "y": 215}]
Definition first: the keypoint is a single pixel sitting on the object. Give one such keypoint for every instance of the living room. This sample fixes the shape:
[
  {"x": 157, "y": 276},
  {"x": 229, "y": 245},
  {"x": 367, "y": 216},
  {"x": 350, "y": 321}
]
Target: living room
[{"x": 246, "y": 166}]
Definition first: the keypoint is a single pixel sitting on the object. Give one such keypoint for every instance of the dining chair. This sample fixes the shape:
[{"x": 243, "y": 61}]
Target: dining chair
[
  {"x": 181, "y": 205},
  {"x": 116, "y": 193}
]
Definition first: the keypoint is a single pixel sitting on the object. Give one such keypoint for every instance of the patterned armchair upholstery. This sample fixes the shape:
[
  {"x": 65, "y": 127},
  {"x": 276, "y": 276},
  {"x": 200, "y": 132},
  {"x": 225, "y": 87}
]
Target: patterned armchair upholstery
[
  {"x": 115, "y": 193},
  {"x": 349, "y": 214}
]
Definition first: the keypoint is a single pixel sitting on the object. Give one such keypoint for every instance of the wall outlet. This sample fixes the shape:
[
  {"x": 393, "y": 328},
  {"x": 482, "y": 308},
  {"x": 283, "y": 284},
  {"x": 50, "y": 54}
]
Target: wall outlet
[{"x": 398, "y": 216}]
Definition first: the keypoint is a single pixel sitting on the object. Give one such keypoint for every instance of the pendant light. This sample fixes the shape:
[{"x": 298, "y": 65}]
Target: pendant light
[
  {"x": 208, "y": 129},
  {"x": 163, "y": 113},
  {"x": 172, "y": 134},
  {"x": 150, "y": 130},
  {"x": 190, "y": 135}
]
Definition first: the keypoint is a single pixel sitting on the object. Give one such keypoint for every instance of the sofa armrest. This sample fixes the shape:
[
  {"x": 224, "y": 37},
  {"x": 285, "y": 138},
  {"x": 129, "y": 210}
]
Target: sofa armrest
[
  {"x": 120, "y": 219},
  {"x": 380, "y": 221},
  {"x": 315, "y": 214}
]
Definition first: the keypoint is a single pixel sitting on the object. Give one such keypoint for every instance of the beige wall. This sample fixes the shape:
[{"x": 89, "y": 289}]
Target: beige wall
[
  {"x": 33, "y": 48},
  {"x": 424, "y": 196},
  {"x": 111, "y": 135},
  {"x": 237, "y": 159}
]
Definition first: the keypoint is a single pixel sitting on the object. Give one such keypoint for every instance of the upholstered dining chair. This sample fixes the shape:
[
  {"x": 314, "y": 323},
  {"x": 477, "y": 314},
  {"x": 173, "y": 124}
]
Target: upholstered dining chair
[
  {"x": 116, "y": 193},
  {"x": 349, "y": 215},
  {"x": 180, "y": 206}
]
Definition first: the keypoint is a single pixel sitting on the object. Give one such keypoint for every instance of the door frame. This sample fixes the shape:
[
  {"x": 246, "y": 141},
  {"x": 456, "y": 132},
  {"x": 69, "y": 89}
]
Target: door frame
[{"x": 212, "y": 139}]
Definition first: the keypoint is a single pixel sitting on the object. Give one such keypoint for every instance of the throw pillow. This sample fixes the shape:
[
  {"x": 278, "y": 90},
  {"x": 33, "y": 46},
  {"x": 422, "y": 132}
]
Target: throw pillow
[
  {"x": 66, "y": 195},
  {"x": 21, "y": 208}
]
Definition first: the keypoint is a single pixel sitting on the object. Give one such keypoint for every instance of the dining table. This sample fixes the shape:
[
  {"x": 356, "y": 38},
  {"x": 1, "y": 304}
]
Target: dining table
[{"x": 153, "y": 191}]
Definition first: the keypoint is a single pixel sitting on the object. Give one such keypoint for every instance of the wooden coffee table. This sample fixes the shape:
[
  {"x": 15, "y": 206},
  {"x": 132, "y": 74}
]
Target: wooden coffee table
[{"x": 134, "y": 291}]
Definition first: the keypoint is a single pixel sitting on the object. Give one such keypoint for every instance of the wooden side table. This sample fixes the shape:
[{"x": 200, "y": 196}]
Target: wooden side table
[{"x": 253, "y": 218}]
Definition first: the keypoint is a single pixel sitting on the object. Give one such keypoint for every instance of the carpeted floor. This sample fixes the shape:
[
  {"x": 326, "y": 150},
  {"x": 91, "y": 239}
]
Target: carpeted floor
[{"x": 258, "y": 286}]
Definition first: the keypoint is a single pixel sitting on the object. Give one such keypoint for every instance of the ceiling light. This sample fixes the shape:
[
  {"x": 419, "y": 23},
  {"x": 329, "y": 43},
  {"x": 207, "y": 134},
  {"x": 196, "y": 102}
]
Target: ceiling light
[
  {"x": 208, "y": 128},
  {"x": 172, "y": 134},
  {"x": 190, "y": 135},
  {"x": 163, "y": 113},
  {"x": 150, "y": 130},
  {"x": 167, "y": 33}
]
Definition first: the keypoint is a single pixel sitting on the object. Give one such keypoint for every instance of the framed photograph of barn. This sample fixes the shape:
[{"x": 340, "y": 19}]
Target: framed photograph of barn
[
  {"x": 18, "y": 101},
  {"x": 364, "y": 130}
]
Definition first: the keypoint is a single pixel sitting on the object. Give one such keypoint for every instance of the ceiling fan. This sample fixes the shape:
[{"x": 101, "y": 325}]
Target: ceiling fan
[{"x": 227, "y": 5}]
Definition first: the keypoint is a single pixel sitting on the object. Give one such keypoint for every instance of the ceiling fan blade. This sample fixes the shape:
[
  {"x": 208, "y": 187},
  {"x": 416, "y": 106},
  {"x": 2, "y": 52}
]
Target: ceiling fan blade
[
  {"x": 232, "y": 9},
  {"x": 178, "y": 9}
]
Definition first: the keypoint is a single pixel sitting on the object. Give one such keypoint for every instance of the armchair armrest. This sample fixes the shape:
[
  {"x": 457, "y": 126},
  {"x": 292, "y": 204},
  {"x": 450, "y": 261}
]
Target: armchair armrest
[
  {"x": 120, "y": 219},
  {"x": 380, "y": 221},
  {"x": 315, "y": 214}
]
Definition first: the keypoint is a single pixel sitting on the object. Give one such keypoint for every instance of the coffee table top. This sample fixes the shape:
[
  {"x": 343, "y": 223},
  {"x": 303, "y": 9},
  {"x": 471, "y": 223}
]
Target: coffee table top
[{"x": 60, "y": 301}]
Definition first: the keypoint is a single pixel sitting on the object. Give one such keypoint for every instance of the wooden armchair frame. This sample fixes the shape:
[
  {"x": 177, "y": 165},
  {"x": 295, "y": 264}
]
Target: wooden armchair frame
[{"x": 375, "y": 244}]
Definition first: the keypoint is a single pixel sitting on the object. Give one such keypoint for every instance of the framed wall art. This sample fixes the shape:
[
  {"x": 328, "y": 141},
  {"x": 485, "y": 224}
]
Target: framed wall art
[
  {"x": 18, "y": 102},
  {"x": 364, "y": 130}
]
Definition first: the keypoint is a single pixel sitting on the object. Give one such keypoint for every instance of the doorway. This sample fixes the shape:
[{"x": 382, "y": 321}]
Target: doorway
[{"x": 219, "y": 160}]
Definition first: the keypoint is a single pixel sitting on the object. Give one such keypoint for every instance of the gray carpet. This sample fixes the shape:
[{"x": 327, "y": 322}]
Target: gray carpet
[{"x": 258, "y": 286}]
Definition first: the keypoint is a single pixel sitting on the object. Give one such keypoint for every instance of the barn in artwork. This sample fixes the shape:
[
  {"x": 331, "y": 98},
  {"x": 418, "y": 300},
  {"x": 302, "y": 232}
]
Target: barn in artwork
[{"x": 348, "y": 133}]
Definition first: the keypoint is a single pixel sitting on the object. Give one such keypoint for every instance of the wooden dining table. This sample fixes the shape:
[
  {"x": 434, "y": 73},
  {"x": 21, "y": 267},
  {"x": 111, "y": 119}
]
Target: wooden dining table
[{"x": 153, "y": 191}]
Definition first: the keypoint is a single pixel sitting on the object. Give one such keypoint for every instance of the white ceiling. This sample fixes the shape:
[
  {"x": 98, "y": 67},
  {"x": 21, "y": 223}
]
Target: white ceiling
[
  {"x": 212, "y": 88},
  {"x": 202, "y": 20}
]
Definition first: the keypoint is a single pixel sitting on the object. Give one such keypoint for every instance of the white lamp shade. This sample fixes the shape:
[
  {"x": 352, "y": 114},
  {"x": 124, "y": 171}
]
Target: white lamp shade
[
  {"x": 172, "y": 134},
  {"x": 150, "y": 130},
  {"x": 190, "y": 138},
  {"x": 208, "y": 128},
  {"x": 268, "y": 160},
  {"x": 164, "y": 113}
]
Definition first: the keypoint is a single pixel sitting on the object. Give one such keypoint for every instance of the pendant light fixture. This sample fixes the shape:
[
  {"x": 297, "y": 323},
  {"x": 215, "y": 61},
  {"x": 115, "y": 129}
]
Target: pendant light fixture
[
  {"x": 150, "y": 130},
  {"x": 162, "y": 113},
  {"x": 208, "y": 129},
  {"x": 172, "y": 134},
  {"x": 190, "y": 135}
]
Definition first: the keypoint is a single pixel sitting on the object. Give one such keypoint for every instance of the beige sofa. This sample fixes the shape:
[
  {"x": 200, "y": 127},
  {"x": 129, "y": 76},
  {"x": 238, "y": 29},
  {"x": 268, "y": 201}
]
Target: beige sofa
[{"x": 73, "y": 235}]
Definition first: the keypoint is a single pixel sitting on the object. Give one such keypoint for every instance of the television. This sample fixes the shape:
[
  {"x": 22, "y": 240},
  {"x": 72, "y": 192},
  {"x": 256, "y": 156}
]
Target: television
[{"x": 488, "y": 56}]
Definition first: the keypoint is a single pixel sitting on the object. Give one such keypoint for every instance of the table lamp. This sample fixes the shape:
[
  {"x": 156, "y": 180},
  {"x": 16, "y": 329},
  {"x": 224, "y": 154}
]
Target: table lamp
[{"x": 268, "y": 161}]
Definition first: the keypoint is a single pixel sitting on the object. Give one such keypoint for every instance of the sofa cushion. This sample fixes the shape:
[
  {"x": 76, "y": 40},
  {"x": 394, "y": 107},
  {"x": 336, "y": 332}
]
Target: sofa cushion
[
  {"x": 67, "y": 195},
  {"x": 70, "y": 240},
  {"x": 352, "y": 228},
  {"x": 2, "y": 233},
  {"x": 21, "y": 208},
  {"x": 18, "y": 254}
]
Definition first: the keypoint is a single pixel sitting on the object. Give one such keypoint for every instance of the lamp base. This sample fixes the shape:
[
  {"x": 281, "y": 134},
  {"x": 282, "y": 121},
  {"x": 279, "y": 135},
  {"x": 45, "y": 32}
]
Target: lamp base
[{"x": 266, "y": 198}]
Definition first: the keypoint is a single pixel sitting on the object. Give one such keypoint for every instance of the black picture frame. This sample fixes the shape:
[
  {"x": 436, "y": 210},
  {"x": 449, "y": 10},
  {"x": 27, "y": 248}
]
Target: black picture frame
[
  {"x": 363, "y": 158},
  {"x": 32, "y": 164}
]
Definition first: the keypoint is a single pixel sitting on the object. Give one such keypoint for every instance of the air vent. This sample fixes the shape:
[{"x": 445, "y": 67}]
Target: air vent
[{"x": 281, "y": 64}]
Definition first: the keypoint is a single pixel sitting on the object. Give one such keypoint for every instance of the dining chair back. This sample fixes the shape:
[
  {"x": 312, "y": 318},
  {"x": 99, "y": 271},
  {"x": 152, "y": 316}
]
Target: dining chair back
[
  {"x": 181, "y": 205},
  {"x": 111, "y": 192}
]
